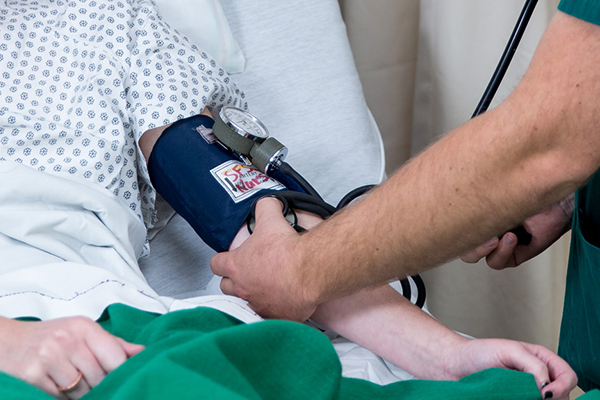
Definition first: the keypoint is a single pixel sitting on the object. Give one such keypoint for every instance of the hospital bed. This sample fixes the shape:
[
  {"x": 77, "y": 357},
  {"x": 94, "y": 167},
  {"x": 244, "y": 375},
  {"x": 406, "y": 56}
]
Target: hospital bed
[{"x": 300, "y": 79}]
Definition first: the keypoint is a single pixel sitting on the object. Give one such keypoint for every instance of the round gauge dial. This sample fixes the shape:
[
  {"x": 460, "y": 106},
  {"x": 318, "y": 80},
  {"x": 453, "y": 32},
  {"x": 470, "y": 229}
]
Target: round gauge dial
[{"x": 244, "y": 123}]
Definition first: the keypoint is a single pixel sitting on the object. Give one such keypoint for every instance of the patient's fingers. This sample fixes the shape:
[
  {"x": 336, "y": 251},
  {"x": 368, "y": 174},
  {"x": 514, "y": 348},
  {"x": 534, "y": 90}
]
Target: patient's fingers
[
  {"x": 526, "y": 361},
  {"x": 562, "y": 377},
  {"x": 551, "y": 373},
  {"x": 480, "y": 252},
  {"x": 105, "y": 347}
]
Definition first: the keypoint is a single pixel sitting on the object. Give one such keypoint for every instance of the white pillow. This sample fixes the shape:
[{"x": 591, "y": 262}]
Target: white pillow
[{"x": 205, "y": 25}]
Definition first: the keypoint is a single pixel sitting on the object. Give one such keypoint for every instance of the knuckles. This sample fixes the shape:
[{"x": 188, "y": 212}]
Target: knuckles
[
  {"x": 62, "y": 337},
  {"x": 33, "y": 373}
]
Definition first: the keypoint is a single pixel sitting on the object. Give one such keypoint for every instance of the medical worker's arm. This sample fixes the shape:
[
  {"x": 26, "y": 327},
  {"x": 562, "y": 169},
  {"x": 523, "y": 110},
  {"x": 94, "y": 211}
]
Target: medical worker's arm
[
  {"x": 545, "y": 228},
  {"x": 383, "y": 321},
  {"x": 48, "y": 354},
  {"x": 478, "y": 181}
]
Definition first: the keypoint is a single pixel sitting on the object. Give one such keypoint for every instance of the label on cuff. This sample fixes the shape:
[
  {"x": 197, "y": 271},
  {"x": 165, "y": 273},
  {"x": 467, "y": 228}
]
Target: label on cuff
[{"x": 241, "y": 181}]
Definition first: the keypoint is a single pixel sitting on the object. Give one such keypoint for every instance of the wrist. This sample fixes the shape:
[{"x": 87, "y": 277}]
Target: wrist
[{"x": 448, "y": 359}]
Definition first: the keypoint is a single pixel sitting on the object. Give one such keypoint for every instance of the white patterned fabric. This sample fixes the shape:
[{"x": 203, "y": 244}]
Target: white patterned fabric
[{"x": 82, "y": 80}]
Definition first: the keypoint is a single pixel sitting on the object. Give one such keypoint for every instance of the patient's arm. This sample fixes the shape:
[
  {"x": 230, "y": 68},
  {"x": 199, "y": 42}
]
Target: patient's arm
[
  {"x": 383, "y": 321},
  {"x": 149, "y": 138},
  {"x": 48, "y": 354}
]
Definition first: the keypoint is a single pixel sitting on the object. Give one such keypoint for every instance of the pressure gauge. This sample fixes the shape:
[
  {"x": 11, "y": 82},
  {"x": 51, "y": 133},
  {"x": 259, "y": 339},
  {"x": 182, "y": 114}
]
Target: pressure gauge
[
  {"x": 246, "y": 136},
  {"x": 243, "y": 123}
]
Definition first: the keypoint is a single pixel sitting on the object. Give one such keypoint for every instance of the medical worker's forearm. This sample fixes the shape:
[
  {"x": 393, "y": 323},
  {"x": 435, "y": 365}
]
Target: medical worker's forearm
[{"x": 480, "y": 180}]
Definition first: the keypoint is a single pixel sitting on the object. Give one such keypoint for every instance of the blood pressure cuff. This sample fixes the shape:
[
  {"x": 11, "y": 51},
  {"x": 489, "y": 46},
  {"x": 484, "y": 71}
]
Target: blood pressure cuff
[{"x": 204, "y": 182}]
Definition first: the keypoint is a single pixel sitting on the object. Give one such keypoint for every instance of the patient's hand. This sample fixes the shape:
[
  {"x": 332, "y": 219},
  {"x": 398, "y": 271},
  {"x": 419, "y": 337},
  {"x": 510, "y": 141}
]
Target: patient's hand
[
  {"x": 477, "y": 354},
  {"x": 51, "y": 354},
  {"x": 545, "y": 228}
]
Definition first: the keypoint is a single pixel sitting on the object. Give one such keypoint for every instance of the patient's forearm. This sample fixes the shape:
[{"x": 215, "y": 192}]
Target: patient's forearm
[{"x": 383, "y": 321}]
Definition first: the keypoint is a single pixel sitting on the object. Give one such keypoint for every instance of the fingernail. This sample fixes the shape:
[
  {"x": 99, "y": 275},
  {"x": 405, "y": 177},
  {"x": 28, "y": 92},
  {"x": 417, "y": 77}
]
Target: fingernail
[
  {"x": 509, "y": 240},
  {"x": 490, "y": 243},
  {"x": 544, "y": 385},
  {"x": 548, "y": 395}
]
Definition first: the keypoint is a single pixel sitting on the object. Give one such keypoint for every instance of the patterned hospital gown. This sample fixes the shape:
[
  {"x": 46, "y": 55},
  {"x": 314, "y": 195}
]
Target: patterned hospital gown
[{"x": 82, "y": 80}]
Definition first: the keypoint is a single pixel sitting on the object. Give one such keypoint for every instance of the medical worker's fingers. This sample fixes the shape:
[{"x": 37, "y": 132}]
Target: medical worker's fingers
[
  {"x": 504, "y": 255},
  {"x": 498, "y": 253},
  {"x": 480, "y": 252},
  {"x": 545, "y": 227},
  {"x": 268, "y": 218},
  {"x": 562, "y": 377},
  {"x": 265, "y": 269}
]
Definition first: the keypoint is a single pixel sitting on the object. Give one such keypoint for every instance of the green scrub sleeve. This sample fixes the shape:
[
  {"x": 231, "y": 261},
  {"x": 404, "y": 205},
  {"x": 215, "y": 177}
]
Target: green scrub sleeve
[{"x": 587, "y": 10}]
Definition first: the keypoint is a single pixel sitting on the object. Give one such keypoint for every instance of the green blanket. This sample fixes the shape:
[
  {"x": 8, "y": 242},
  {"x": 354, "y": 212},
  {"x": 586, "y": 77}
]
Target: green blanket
[{"x": 205, "y": 354}]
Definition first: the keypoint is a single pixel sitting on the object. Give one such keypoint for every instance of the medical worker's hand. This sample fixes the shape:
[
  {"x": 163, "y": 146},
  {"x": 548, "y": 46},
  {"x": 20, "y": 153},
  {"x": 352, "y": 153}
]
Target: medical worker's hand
[
  {"x": 479, "y": 354},
  {"x": 51, "y": 354},
  {"x": 265, "y": 269},
  {"x": 545, "y": 228}
]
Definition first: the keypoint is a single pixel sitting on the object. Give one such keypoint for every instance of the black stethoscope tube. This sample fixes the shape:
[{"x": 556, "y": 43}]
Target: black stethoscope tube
[
  {"x": 523, "y": 237},
  {"x": 507, "y": 56},
  {"x": 353, "y": 194},
  {"x": 287, "y": 169}
]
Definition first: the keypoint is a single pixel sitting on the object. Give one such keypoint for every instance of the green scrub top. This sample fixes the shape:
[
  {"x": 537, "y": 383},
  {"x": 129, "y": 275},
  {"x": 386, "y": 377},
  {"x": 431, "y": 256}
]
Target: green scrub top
[
  {"x": 587, "y": 10},
  {"x": 580, "y": 331},
  {"x": 579, "y": 341}
]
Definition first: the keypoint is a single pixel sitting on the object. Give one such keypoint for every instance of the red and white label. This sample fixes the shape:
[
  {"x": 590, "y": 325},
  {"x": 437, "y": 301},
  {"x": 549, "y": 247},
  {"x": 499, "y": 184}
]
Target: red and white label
[{"x": 242, "y": 181}]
